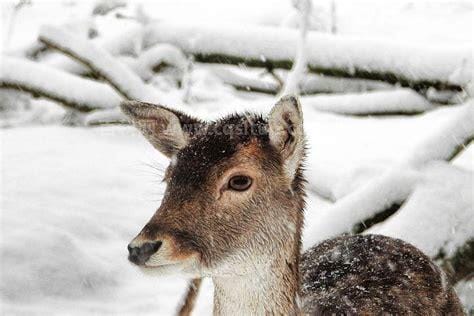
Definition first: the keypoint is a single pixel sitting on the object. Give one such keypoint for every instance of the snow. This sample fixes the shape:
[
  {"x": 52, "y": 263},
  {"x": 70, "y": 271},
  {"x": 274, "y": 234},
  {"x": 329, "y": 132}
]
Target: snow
[
  {"x": 322, "y": 84},
  {"x": 155, "y": 56},
  {"x": 296, "y": 74},
  {"x": 59, "y": 85},
  {"x": 128, "y": 42},
  {"x": 67, "y": 216},
  {"x": 415, "y": 62},
  {"x": 72, "y": 198},
  {"x": 457, "y": 132},
  {"x": 377, "y": 102},
  {"x": 118, "y": 74},
  {"x": 91, "y": 190},
  {"x": 439, "y": 215},
  {"x": 389, "y": 189}
]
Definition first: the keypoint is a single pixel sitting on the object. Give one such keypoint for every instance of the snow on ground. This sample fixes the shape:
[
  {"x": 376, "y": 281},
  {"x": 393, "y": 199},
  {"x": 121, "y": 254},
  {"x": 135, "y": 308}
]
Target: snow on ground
[{"x": 72, "y": 198}]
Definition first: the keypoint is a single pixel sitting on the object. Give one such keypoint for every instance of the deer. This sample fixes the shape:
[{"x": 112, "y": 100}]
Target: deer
[{"x": 233, "y": 211}]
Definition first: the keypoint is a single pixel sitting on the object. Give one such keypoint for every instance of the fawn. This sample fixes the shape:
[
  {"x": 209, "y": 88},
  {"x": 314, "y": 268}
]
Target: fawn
[{"x": 233, "y": 211}]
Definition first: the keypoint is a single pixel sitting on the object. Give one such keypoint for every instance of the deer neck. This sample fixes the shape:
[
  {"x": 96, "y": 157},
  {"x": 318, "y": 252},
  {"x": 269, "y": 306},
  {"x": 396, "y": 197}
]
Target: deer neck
[{"x": 267, "y": 286}]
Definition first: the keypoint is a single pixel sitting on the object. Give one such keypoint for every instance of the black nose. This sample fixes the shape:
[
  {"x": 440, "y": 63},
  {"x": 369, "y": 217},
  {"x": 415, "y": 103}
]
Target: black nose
[{"x": 139, "y": 255}]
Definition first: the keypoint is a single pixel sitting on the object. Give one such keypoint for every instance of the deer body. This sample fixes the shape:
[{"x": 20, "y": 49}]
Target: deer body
[{"x": 233, "y": 211}]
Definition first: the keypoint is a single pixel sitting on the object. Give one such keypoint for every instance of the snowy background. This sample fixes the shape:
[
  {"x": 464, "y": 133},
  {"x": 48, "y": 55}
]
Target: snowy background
[{"x": 386, "y": 91}]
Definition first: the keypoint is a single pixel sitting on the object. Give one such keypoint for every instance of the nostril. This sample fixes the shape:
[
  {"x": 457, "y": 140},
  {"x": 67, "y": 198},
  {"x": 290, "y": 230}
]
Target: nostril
[
  {"x": 139, "y": 255},
  {"x": 150, "y": 248}
]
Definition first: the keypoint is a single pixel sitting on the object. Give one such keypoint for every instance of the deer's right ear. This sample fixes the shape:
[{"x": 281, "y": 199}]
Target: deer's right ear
[{"x": 167, "y": 130}]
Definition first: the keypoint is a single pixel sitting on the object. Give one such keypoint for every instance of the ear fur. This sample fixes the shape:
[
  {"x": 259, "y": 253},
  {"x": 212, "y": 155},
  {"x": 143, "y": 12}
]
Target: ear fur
[
  {"x": 286, "y": 133},
  {"x": 167, "y": 130}
]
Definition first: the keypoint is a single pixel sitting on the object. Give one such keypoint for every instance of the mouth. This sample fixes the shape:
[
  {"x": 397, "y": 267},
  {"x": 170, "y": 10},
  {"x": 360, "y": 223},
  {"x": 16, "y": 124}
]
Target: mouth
[{"x": 168, "y": 269}]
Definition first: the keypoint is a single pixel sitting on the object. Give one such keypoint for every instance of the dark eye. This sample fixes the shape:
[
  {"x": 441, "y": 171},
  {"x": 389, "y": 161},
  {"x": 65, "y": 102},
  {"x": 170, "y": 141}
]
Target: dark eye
[{"x": 240, "y": 183}]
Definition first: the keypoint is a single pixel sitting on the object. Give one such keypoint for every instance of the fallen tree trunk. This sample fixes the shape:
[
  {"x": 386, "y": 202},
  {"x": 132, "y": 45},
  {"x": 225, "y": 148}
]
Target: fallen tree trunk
[
  {"x": 391, "y": 102},
  {"x": 74, "y": 92},
  {"x": 417, "y": 67},
  {"x": 127, "y": 43},
  {"x": 100, "y": 62}
]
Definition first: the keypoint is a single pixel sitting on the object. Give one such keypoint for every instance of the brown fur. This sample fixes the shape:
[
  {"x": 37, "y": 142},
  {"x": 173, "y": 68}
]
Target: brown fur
[
  {"x": 367, "y": 274},
  {"x": 189, "y": 301},
  {"x": 250, "y": 242}
]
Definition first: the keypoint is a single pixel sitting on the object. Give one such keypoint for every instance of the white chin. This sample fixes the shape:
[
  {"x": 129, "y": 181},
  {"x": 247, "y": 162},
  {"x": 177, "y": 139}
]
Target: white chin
[{"x": 170, "y": 269}]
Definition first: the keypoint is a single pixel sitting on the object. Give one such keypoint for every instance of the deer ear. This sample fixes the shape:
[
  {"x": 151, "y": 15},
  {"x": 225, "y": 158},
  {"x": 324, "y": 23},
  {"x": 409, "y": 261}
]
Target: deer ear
[
  {"x": 286, "y": 134},
  {"x": 167, "y": 130}
]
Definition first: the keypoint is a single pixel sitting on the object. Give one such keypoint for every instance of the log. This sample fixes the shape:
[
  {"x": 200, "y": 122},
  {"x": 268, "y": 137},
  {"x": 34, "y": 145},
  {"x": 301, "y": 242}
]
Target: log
[
  {"x": 385, "y": 204},
  {"x": 100, "y": 62},
  {"x": 392, "y": 102},
  {"x": 74, "y": 92},
  {"x": 417, "y": 67}
]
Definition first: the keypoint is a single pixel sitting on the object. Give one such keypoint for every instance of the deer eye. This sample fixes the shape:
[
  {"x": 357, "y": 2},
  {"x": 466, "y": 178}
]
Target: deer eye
[{"x": 240, "y": 183}]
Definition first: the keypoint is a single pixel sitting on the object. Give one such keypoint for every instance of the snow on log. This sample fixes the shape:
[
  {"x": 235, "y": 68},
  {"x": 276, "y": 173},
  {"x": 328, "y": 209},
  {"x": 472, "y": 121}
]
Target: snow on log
[
  {"x": 258, "y": 81},
  {"x": 313, "y": 83},
  {"x": 399, "y": 101},
  {"x": 128, "y": 42},
  {"x": 414, "y": 66},
  {"x": 379, "y": 199},
  {"x": 438, "y": 217},
  {"x": 244, "y": 81},
  {"x": 449, "y": 140},
  {"x": 150, "y": 60},
  {"x": 378, "y": 195},
  {"x": 105, "y": 117},
  {"x": 72, "y": 91},
  {"x": 102, "y": 63}
]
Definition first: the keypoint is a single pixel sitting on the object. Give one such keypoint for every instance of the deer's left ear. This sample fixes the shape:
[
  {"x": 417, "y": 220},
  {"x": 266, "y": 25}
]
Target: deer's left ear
[
  {"x": 167, "y": 130},
  {"x": 286, "y": 132}
]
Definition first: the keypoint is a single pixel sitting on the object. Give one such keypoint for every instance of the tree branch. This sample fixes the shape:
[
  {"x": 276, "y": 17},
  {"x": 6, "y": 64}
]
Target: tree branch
[
  {"x": 71, "y": 91},
  {"x": 417, "y": 67},
  {"x": 118, "y": 75}
]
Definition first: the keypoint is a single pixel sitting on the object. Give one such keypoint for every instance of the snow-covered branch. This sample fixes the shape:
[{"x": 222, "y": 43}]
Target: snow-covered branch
[
  {"x": 411, "y": 184},
  {"x": 399, "y": 101},
  {"x": 105, "y": 117},
  {"x": 150, "y": 60},
  {"x": 414, "y": 66},
  {"x": 298, "y": 69},
  {"x": 449, "y": 140},
  {"x": 127, "y": 43},
  {"x": 101, "y": 62},
  {"x": 70, "y": 90}
]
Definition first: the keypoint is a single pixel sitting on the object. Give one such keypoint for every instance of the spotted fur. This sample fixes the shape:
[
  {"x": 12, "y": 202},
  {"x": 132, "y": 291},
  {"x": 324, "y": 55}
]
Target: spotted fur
[{"x": 373, "y": 274}]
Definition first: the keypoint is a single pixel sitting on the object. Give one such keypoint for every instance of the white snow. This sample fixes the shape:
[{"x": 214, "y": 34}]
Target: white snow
[
  {"x": 128, "y": 42},
  {"x": 157, "y": 55},
  {"x": 456, "y": 132},
  {"x": 375, "y": 102},
  {"x": 67, "y": 216},
  {"x": 299, "y": 68},
  {"x": 117, "y": 73},
  {"x": 439, "y": 215},
  {"x": 88, "y": 191},
  {"x": 57, "y": 83},
  {"x": 72, "y": 198},
  {"x": 417, "y": 62}
]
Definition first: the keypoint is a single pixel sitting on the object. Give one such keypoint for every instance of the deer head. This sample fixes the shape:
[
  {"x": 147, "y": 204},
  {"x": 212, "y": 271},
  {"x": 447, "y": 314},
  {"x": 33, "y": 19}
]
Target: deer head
[{"x": 234, "y": 190}]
